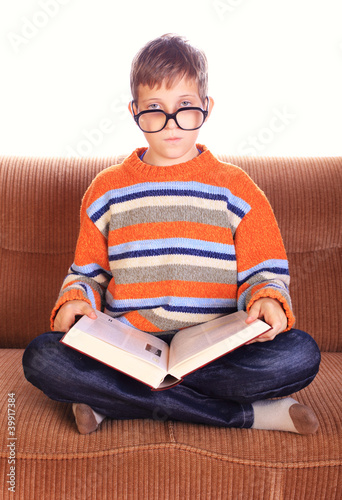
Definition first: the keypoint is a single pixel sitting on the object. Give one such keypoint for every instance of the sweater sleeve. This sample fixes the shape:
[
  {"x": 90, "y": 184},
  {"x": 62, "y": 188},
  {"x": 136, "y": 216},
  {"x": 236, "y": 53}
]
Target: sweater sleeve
[
  {"x": 262, "y": 263},
  {"x": 88, "y": 277}
]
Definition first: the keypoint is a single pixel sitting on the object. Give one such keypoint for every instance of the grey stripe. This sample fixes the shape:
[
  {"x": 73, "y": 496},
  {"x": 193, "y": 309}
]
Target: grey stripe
[
  {"x": 154, "y": 274},
  {"x": 169, "y": 214},
  {"x": 166, "y": 325}
]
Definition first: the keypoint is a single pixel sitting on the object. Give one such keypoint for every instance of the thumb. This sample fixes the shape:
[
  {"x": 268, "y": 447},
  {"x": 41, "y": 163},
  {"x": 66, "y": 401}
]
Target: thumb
[
  {"x": 253, "y": 313},
  {"x": 87, "y": 310}
]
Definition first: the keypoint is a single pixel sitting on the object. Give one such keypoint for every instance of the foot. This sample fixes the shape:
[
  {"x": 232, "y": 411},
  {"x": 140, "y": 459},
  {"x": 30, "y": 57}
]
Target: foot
[
  {"x": 303, "y": 418},
  {"x": 284, "y": 415},
  {"x": 85, "y": 418}
]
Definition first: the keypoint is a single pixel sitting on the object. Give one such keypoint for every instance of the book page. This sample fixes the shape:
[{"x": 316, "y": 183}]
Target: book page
[
  {"x": 230, "y": 331},
  {"x": 114, "y": 332},
  {"x": 110, "y": 355}
]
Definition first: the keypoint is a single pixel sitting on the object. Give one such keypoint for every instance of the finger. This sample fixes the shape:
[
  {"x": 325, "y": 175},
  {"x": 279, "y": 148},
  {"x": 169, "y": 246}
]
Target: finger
[
  {"x": 277, "y": 327},
  {"x": 253, "y": 313},
  {"x": 267, "y": 336},
  {"x": 262, "y": 338},
  {"x": 87, "y": 310},
  {"x": 250, "y": 318}
]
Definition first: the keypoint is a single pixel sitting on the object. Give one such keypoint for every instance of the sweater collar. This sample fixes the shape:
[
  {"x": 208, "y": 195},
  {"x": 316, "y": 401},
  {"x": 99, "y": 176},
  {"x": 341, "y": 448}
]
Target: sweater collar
[{"x": 181, "y": 170}]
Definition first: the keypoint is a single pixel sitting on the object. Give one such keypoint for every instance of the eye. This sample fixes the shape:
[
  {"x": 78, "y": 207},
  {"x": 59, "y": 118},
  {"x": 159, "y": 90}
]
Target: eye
[
  {"x": 185, "y": 104},
  {"x": 153, "y": 106}
]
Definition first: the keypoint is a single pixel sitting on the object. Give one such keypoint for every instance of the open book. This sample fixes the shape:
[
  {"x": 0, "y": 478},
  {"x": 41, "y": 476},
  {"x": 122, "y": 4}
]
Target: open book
[{"x": 150, "y": 359}]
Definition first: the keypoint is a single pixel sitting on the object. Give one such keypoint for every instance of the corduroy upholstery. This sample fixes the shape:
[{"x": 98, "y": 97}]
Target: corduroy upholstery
[{"x": 151, "y": 459}]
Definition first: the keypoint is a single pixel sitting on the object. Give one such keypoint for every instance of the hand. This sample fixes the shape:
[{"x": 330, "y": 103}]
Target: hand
[
  {"x": 66, "y": 315},
  {"x": 272, "y": 312}
]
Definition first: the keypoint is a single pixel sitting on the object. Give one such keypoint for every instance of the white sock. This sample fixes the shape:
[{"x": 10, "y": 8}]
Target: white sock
[
  {"x": 98, "y": 416},
  {"x": 282, "y": 415}
]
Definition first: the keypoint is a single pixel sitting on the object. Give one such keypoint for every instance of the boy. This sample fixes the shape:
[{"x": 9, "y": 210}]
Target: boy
[{"x": 170, "y": 238}]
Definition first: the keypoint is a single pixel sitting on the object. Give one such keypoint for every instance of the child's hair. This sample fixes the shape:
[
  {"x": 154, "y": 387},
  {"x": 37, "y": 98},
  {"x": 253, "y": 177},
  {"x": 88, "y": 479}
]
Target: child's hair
[{"x": 169, "y": 58}]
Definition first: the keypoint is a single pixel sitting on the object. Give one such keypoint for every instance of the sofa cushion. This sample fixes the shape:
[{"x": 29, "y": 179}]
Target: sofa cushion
[{"x": 158, "y": 459}]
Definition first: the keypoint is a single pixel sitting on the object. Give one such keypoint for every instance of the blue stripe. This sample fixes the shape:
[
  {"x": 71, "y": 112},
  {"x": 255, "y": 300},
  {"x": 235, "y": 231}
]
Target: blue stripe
[
  {"x": 90, "y": 271},
  {"x": 195, "y": 305},
  {"x": 138, "y": 245},
  {"x": 139, "y": 190},
  {"x": 275, "y": 266},
  {"x": 189, "y": 189},
  {"x": 124, "y": 320},
  {"x": 89, "y": 294},
  {"x": 192, "y": 310},
  {"x": 177, "y": 301},
  {"x": 171, "y": 251},
  {"x": 268, "y": 285},
  {"x": 278, "y": 287},
  {"x": 273, "y": 270},
  {"x": 201, "y": 310}
]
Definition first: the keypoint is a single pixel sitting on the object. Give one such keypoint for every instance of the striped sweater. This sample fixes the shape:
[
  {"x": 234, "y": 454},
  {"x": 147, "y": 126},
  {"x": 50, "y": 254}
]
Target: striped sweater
[{"x": 163, "y": 248}]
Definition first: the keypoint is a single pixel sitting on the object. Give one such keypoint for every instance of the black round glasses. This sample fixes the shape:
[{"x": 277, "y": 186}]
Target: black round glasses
[{"x": 154, "y": 120}]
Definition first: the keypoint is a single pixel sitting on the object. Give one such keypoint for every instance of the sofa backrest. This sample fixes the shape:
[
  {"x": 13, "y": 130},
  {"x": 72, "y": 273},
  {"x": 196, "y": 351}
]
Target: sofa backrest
[{"x": 40, "y": 200}]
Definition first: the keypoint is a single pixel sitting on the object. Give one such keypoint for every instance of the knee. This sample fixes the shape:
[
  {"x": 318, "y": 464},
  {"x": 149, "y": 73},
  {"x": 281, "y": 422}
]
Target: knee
[
  {"x": 305, "y": 351},
  {"x": 292, "y": 355},
  {"x": 298, "y": 356},
  {"x": 283, "y": 366},
  {"x": 39, "y": 355}
]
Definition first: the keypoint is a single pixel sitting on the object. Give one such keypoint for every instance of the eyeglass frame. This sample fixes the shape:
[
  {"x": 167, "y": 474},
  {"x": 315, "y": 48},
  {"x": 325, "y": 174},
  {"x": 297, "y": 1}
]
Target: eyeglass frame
[{"x": 170, "y": 116}]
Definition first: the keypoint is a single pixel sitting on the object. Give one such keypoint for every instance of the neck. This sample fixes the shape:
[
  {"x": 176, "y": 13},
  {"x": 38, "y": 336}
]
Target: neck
[
  {"x": 186, "y": 170},
  {"x": 154, "y": 158}
]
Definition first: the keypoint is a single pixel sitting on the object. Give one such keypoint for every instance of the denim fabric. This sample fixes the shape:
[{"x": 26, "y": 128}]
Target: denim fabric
[{"x": 219, "y": 393}]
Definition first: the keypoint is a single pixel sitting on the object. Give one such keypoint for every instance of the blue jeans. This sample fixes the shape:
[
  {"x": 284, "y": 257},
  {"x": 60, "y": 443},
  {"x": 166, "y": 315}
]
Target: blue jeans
[{"x": 219, "y": 393}]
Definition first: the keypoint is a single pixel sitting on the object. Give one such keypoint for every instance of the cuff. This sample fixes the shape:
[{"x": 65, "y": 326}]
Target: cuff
[
  {"x": 67, "y": 297},
  {"x": 273, "y": 294}
]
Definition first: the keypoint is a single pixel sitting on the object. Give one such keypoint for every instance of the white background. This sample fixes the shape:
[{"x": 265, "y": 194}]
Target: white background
[{"x": 275, "y": 72}]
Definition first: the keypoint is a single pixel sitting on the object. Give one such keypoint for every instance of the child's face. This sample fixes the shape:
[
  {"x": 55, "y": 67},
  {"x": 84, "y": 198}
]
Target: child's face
[{"x": 171, "y": 145}]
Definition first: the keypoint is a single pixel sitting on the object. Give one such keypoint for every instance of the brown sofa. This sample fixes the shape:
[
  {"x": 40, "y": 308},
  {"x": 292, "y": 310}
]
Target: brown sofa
[{"x": 158, "y": 459}]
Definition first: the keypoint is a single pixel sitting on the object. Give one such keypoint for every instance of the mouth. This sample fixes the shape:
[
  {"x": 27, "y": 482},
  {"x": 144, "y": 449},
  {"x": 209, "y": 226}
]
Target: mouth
[{"x": 172, "y": 140}]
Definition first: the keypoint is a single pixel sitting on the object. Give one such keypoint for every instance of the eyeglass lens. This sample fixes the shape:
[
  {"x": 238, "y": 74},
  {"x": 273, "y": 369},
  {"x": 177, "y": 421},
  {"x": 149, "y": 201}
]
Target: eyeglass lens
[{"x": 187, "y": 119}]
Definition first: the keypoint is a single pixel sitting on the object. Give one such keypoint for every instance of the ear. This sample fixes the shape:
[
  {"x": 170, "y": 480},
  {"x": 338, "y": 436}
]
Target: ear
[
  {"x": 210, "y": 106},
  {"x": 132, "y": 107}
]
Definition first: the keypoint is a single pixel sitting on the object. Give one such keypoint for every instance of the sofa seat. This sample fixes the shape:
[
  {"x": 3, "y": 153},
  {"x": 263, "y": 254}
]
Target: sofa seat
[{"x": 148, "y": 452}]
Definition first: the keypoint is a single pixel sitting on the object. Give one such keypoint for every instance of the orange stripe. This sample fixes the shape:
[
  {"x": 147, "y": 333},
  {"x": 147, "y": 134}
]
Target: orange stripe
[
  {"x": 178, "y": 229},
  {"x": 252, "y": 254},
  {"x": 91, "y": 246},
  {"x": 175, "y": 288},
  {"x": 140, "y": 322}
]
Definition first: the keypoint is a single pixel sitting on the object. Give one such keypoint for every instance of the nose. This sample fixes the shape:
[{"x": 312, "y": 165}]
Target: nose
[{"x": 171, "y": 124}]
